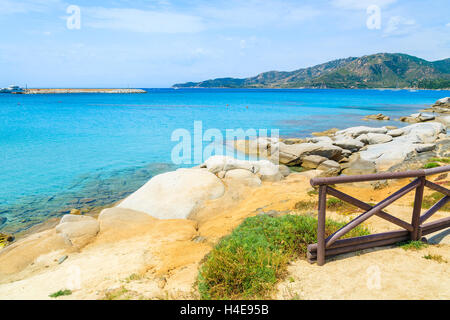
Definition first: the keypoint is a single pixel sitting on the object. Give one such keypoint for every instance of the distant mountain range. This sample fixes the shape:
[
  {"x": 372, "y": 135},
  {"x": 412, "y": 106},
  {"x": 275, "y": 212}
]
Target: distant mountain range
[{"x": 381, "y": 70}]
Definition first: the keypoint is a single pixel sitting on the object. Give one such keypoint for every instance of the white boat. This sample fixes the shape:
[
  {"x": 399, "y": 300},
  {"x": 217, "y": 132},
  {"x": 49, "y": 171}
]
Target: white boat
[{"x": 12, "y": 89}]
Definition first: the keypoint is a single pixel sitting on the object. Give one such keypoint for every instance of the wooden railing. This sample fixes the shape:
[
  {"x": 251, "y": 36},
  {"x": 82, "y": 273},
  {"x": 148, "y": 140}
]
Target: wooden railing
[{"x": 331, "y": 246}]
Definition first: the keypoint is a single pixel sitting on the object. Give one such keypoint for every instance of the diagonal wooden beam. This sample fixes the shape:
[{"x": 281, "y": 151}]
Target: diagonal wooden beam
[
  {"x": 434, "y": 208},
  {"x": 366, "y": 215},
  {"x": 365, "y": 206},
  {"x": 437, "y": 188}
]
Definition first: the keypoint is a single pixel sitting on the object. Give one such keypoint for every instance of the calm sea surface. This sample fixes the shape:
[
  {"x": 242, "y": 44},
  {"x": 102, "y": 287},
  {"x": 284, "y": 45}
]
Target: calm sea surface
[{"x": 85, "y": 150}]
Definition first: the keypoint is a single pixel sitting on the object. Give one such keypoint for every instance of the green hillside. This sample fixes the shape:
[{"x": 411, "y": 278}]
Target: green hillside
[{"x": 381, "y": 70}]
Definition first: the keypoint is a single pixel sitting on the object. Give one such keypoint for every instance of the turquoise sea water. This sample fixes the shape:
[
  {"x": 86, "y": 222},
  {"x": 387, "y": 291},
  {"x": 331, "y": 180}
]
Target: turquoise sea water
[{"x": 84, "y": 150}]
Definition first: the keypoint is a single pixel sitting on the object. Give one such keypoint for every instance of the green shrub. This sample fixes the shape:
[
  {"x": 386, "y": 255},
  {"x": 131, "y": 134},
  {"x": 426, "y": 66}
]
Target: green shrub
[
  {"x": 430, "y": 165},
  {"x": 248, "y": 263},
  {"x": 60, "y": 293},
  {"x": 443, "y": 160}
]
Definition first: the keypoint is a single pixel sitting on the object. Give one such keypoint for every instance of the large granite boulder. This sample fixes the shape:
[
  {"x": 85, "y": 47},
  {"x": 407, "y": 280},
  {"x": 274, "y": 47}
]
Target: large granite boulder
[
  {"x": 378, "y": 116},
  {"x": 417, "y": 136},
  {"x": 293, "y": 154},
  {"x": 219, "y": 163},
  {"x": 395, "y": 132},
  {"x": 348, "y": 143},
  {"x": 445, "y": 120},
  {"x": 422, "y": 132},
  {"x": 312, "y": 161},
  {"x": 418, "y": 117},
  {"x": 176, "y": 194},
  {"x": 329, "y": 168},
  {"x": 444, "y": 102},
  {"x": 359, "y": 167},
  {"x": 77, "y": 230},
  {"x": 243, "y": 176},
  {"x": 357, "y": 131},
  {"x": 376, "y": 138}
]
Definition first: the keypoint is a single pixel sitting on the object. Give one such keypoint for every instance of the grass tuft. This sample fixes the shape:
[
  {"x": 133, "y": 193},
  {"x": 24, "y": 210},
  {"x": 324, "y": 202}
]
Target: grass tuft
[
  {"x": 443, "y": 160},
  {"x": 333, "y": 204},
  {"x": 59, "y": 293},
  {"x": 430, "y": 165},
  {"x": 436, "y": 257},
  {"x": 254, "y": 257},
  {"x": 429, "y": 200},
  {"x": 412, "y": 245}
]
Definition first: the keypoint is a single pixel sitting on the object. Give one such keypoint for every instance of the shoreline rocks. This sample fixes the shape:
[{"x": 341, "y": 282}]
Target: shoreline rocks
[
  {"x": 378, "y": 116},
  {"x": 176, "y": 194}
]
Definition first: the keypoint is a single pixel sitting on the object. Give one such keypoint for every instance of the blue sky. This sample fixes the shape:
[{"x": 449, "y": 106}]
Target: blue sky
[{"x": 158, "y": 43}]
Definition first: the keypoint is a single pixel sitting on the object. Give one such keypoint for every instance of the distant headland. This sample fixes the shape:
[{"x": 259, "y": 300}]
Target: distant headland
[{"x": 376, "y": 71}]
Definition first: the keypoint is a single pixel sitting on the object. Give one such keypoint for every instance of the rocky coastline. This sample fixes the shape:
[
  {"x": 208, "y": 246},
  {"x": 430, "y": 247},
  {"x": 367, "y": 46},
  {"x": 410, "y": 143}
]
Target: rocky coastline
[{"x": 184, "y": 207}]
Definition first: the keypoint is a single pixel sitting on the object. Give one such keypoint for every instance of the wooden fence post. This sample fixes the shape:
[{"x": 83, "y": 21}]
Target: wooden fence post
[
  {"x": 416, "y": 234},
  {"x": 321, "y": 225}
]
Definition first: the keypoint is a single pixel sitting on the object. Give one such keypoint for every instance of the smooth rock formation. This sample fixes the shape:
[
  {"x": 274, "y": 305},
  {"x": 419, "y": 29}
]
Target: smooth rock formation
[
  {"x": 243, "y": 176},
  {"x": 284, "y": 170},
  {"x": 387, "y": 155},
  {"x": 418, "y": 117},
  {"x": 349, "y": 144},
  {"x": 313, "y": 161},
  {"x": 293, "y": 154},
  {"x": 395, "y": 132},
  {"x": 357, "y": 131},
  {"x": 378, "y": 116},
  {"x": 377, "y": 138},
  {"x": 329, "y": 168},
  {"x": 77, "y": 230},
  {"x": 445, "y": 120},
  {"x": 218, "y": 163},
  {"x": 360, "y": 166},
  {"x": 176, "y": 194}
]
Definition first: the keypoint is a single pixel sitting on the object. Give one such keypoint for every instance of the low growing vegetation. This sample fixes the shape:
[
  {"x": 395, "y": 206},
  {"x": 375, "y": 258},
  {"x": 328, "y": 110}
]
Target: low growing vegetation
[
  {"x": 429, "y": 200},
  {"x": 430, "y": 165},
  {"x": 254, "y": 257},
  {"x": 435, "y": 257},
  {"x": 443, "y": 160},
  {"x": 413, "y": 245},
  {"x": 59, "y": 293},
  {"x": 333, "y": 204}
]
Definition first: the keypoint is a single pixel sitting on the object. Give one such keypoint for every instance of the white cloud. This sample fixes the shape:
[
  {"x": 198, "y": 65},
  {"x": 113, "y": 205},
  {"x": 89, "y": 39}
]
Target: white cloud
[
  {"x": 136, "y": 20},
  {"x": 448, "y": 24},
  {"x": 398, "y": 25},
  {"x": 361, "y": 4}
]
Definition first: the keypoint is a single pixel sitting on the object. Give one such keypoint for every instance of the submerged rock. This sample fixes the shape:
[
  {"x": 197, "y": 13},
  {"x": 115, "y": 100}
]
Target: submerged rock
[{"x": 418, "y": 117}]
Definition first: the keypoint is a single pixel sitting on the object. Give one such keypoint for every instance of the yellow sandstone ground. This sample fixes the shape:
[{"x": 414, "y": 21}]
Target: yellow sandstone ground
[{"x": 159, "y": 259}]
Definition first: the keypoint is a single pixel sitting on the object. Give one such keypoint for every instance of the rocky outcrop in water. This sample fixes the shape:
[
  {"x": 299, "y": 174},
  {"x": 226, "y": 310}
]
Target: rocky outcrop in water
[
  {"x": 440, "y": 106},
  {"x": 378, "y": 116}
]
